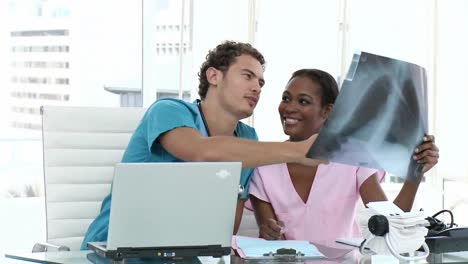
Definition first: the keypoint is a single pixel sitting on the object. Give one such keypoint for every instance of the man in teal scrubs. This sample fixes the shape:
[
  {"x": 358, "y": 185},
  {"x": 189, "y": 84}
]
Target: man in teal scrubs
[{"x": 209, "y": 129}]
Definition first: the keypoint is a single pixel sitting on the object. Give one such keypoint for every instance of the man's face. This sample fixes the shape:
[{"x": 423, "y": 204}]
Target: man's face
[{"x": 240, "y": 87}]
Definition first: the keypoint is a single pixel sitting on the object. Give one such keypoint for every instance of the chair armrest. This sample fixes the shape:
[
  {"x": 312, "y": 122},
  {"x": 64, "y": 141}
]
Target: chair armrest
[{"x": 44, "y": 247}]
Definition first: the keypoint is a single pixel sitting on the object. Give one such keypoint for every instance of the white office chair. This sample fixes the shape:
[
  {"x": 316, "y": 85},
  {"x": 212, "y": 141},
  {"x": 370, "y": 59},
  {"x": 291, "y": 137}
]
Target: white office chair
[{"x": 81, "y": 146}]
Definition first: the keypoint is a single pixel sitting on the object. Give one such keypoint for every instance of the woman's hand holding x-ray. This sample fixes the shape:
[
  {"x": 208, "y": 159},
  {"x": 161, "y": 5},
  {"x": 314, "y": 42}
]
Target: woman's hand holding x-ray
[{"x": 427, "y": 153}]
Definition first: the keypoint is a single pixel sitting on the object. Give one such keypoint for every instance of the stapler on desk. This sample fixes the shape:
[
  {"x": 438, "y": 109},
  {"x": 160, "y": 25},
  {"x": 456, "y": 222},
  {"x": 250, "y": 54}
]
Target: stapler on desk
[
  {"x": 284, "y": 253},
  {"x": 443, "y": 238},
  {"x": 448, "y": 240}
]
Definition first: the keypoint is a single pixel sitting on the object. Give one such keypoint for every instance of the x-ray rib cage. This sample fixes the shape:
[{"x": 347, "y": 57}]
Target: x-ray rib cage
[{"x": 379, "y": 117}]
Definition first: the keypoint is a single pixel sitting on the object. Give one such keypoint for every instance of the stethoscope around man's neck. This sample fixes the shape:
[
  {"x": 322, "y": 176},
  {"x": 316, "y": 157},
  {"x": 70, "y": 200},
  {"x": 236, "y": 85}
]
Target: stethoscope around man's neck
[
  {"x": 203, "y": 118},
  {"x": 206, "y": 123},
  {"x": 241, "y": 188}
]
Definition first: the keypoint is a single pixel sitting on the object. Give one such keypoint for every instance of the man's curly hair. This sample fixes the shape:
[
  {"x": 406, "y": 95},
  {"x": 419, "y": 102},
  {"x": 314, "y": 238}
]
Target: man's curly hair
[{"x": 222, "y": 57}]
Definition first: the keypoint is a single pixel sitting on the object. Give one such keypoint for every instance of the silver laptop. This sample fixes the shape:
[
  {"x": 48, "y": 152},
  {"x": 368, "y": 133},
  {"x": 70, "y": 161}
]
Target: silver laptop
[{"x": 171, "y": 210}]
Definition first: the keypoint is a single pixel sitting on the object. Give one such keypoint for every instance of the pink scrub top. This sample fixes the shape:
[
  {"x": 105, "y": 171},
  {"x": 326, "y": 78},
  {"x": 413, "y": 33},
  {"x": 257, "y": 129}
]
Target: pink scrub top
[{"x": 330, "y": 209}]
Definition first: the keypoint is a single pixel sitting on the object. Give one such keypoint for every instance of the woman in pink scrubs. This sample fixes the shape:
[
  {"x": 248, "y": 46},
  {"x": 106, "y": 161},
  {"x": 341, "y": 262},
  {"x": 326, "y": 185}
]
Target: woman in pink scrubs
[{"x": 319, "y": 203}]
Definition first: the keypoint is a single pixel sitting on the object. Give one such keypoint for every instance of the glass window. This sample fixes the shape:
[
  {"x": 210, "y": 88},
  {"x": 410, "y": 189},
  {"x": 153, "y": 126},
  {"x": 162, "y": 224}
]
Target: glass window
[
  {"x": 401, "y": 30},
  {"x": 214, "y": 22},
  {"x": 451, "y": 104},
  {"x": 167, "y": 48},
  {"x": 305, "y": 38},
  {"x": 56, "y": 53}
]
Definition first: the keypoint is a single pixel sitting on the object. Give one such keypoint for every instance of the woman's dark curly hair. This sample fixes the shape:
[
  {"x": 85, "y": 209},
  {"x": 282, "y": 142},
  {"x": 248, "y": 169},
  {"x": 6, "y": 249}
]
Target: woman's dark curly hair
[
  {"x": 222, "y": 57},
  {"x": 328, "y": 85}
]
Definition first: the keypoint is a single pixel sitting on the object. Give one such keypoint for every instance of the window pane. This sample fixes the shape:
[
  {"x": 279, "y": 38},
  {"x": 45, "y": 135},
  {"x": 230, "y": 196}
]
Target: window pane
[
  {"x": 452, "y": 91},
  {"x": 214, "y": 22},
  {"x": 401, "y": 30},
  {"x": 452, "y": 108},
  {"x": 398, "y": 29},
  {"x": 166, "y": 49},
  {"x": 56, "y": 53},
  {"x": 306, "y": 38}
]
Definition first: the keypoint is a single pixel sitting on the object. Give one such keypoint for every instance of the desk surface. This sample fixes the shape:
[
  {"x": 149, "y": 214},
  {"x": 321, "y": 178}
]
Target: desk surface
[
  {"x": 344, "y": 254},
  {"x": 80, "y": 257}
]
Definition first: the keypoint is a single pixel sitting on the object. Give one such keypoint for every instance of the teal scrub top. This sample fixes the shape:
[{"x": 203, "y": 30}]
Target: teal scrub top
[{"x": 162, "y": 116}]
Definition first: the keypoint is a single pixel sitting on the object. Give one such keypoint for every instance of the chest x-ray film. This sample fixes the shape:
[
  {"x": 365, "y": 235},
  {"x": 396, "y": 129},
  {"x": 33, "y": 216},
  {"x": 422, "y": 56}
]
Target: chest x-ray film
[{"x": 379, "y": 117}]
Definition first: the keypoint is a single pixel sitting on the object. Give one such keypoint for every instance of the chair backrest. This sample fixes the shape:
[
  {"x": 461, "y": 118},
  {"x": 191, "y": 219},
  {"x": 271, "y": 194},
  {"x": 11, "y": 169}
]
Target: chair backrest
[{"x": 81, "y": 146}]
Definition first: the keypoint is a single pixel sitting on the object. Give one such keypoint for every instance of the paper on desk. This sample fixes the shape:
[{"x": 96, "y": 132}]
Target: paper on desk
[
  {"x": 351, "y": 241},
  {"x": 255, "y": 247}
]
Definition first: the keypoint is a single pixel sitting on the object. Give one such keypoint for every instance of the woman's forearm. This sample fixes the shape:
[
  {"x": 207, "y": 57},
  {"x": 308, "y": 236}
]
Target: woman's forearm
[{"x": 407, "y": 194}]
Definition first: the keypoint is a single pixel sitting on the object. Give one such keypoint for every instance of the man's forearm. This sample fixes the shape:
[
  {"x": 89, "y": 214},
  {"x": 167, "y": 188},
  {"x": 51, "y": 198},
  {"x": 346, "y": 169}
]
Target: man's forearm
[{"x": 251, "y": 153}]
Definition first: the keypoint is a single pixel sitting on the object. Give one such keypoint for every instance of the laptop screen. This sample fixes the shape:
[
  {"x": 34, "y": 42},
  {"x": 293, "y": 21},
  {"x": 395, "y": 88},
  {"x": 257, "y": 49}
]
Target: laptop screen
[{"x": 173, "y": 204}]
